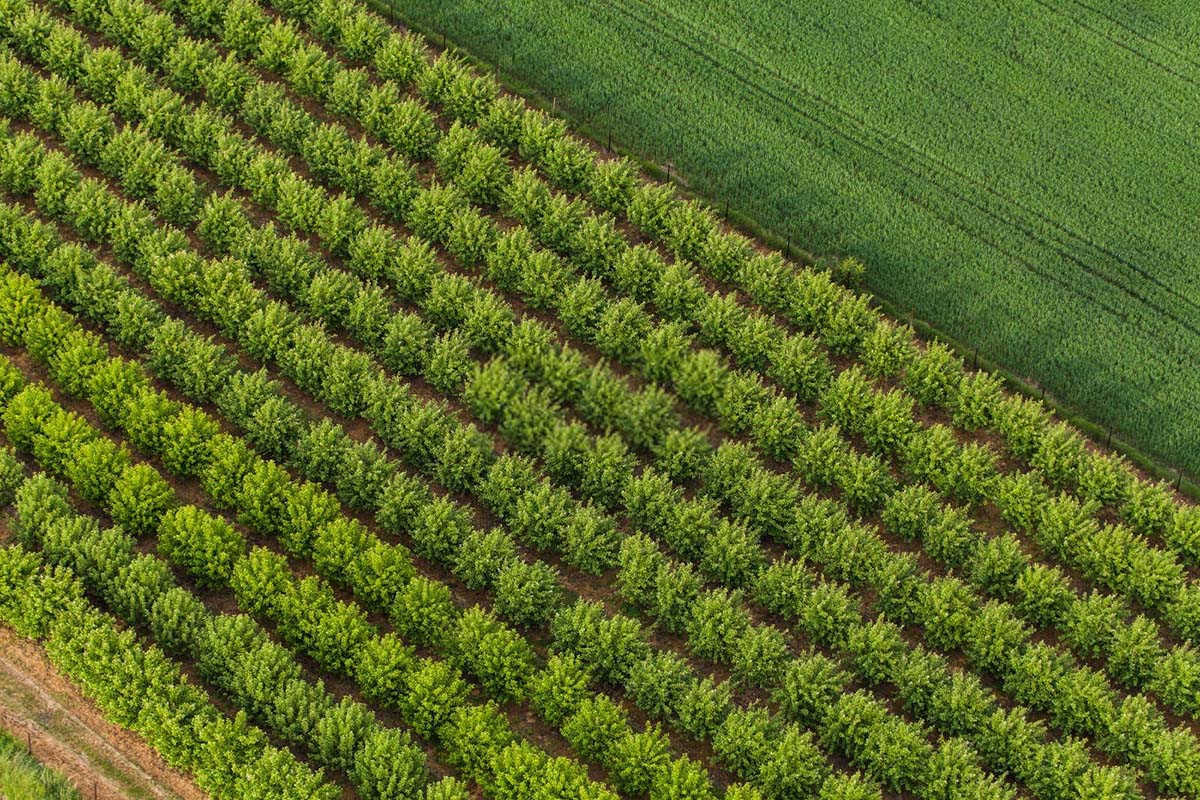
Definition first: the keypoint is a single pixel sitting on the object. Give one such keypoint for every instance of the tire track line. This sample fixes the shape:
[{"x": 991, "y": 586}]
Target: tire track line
[{"x": 932, "y": 165}]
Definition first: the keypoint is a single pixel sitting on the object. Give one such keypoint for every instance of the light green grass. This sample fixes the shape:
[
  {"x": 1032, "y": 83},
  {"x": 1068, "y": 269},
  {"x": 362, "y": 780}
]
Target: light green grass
[
  {"x": 23, "y": 778},
  {"x": 1018, "y": 174}
]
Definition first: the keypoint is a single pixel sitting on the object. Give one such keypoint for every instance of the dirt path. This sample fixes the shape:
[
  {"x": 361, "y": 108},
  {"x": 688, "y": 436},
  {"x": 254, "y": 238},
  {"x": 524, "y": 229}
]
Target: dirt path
[{"x": 67, "y": 732}]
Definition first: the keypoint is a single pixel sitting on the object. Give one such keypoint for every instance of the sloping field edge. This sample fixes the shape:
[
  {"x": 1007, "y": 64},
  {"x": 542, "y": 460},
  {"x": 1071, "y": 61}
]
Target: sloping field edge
[
  {"x": 68, "y": 734},
  {"x": 607, "y": 141}
]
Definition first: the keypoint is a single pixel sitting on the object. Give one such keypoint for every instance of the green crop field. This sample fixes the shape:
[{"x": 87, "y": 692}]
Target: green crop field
[
  {"x": 366, "y": 433},
  {"x": 1018, "y": 174}
]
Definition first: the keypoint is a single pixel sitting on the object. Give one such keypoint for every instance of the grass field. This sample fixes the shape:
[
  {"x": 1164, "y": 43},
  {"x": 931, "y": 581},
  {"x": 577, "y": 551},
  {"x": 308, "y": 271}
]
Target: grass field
[
  {"x": 1016, "y": 174},
  {"x": 23, "y": 778}
]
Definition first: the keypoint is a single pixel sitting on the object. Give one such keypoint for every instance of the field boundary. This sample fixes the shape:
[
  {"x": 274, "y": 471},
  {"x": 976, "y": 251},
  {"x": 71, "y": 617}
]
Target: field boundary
[
  {"x": 1185, "y": 482},
  {"x": 66, "y": 733}
]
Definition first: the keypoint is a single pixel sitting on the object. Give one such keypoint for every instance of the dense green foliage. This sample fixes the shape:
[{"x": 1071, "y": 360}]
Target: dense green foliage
[{"x": 348, "y": 424}]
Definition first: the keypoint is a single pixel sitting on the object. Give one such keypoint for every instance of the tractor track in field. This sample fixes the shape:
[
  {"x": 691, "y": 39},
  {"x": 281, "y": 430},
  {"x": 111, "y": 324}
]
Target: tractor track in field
[
  {"x": 1134, "y": 32},
  {"x": 923, "y": 167}
]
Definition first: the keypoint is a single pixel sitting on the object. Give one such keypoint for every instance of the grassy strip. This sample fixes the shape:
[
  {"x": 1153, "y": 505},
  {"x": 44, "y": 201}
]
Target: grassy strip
[{"x": 23, "y": 776}]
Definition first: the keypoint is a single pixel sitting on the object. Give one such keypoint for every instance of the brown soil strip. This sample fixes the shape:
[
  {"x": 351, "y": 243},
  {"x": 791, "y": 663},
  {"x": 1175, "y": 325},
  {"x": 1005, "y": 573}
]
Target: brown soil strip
[{"x": 66, "y": 732}]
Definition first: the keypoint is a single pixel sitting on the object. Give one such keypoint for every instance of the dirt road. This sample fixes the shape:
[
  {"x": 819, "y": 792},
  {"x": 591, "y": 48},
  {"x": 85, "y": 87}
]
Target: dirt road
[{"x": 67, "y": 732}]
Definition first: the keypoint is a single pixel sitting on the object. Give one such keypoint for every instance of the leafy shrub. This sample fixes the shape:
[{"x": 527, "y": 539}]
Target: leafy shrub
[
  {"x": 263, "y": 496},
  {"x": 388, "y": 765},
  {"x": 93, "y": 468},
  {"x": 1020, "y": 498},
  {"x": 1034, "y": 675},
  {"x": 423, "y": 611},
  {"x": 205, "y": 545},
  {"x": 1042, "y": 594},
  {"x": 1134, "y": 653},
  {"x": 187, "y": 439},
  {"x": 380, "y": 669},
  {"x": 482, "y": 556},
  {"x": 230, "y": 460},
  {"x": 1104, "y": 478},
  {"x": 1090, "y": 623},
  {"x": 717, "y": 625},
  {"x": 683, "y": 779},
  {"x": 640, "y": 560},
  {"x": 590, "y": 540},
  {"x": 438, "y": 529},
  {"x": 961, "y": 704},
  {"x": 595, "y": 726},
  {"x": 307, "y": 511},
  {"x": 946, "y": 611},
  {"x": 558, "y": 690},
  {"x": 1059, "y": 454},
  {"x": 828, "y": 614},
  {"x": 137, "y": 586},
  {"x": 875, "y": 650},
  {"x": 676, "y": 588},
  {"x": 139, "y": 498},
  {"x": 760, "y": 657},
  {"x": 363, "y": 471},
  {"x": 866, "y": 482},
  {"x": 146, "y": 417},
  {"x": 1149, "y": 507},
  {"x": 527, "y": 593},
  {"x": 1083, "y": 702},
  {"x": 494, "y": 653},
  {"x": 433, "y": 690},
  {"x": 636, "y": 759},
  {"x": 473, "y": 735},
  {"x": 995, "y": 634},
  {"x": 974, "y": 403},
  {"x": 820, "y": 456},
  {"x": 842, "y": 786},
  {"x": 933, "y": 374},
  {"x": 783, "y": 587},
  {"x": 341, "y": 731},
  {"x": 1183, "y": 533},
  {"x": 997, "y": 565},
  {"x": 732, "y": 555},
  {"x": 795, "y": 767},
  {"x": 175, "y": 620},
  {"x": 658, "y": 683},
  {"x": 743, "y": 740}
]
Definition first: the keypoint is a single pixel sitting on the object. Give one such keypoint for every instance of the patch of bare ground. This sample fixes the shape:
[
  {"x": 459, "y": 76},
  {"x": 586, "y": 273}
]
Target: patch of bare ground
[{"x": 66, "y": 731}]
